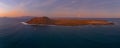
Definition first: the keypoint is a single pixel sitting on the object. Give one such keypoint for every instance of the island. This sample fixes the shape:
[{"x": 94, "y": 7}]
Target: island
[{"x": 66, "y": 22}]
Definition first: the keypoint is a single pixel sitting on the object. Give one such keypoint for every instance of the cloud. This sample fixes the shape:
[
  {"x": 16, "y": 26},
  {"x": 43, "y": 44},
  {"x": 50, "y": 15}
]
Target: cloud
[
  {"x": 20, "y": 12},
  {"x": 43, "y": 4},
  {"x": 3, "y": 5},
  {"x": 64, "y": 8},
  {"x": 66, "y": 12},
  {"x": 4, "y": 8},
  {"x": 21, "y": 9}
]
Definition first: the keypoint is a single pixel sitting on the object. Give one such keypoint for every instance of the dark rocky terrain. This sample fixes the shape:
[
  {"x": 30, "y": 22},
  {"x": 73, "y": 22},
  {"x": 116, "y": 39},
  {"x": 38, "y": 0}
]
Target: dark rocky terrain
[{"x": 67, "y": 22}]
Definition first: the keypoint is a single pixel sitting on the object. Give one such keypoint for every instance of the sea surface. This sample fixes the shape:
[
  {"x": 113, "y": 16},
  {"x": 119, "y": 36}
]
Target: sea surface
[{"x": 13, "y": 34}]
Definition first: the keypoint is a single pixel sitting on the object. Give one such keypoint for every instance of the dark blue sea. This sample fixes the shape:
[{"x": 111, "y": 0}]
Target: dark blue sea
[{"x": 13, "y": 34}]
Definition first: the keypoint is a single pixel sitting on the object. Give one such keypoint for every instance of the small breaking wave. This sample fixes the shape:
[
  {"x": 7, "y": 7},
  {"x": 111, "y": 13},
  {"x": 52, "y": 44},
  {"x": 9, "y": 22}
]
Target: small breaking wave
[{"x": 24, "y": 23}]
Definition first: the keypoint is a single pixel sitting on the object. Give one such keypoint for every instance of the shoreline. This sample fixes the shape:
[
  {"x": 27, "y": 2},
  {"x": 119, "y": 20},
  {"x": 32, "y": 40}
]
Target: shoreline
[
  {"x": 24, "y": 23},
  {"x": 65, "y": 22}
]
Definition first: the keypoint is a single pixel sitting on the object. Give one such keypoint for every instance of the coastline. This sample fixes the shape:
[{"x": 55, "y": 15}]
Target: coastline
[{"x": 45, "y": 21}]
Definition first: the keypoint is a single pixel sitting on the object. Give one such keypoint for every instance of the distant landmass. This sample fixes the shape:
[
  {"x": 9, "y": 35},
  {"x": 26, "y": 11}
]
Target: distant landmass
[{"x": 66, "y": 22}]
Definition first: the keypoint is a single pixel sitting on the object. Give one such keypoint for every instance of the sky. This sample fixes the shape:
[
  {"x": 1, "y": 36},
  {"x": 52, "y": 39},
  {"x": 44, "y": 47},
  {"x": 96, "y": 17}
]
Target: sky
[{"x": 61, "y": 8}]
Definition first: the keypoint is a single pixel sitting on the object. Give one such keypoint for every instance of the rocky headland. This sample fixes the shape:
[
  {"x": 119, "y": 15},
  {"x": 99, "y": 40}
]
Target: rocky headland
[{"x": 66, "y": 22}]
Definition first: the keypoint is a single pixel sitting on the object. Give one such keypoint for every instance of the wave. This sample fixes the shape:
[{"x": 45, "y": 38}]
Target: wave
[{"x": 24, "y": 23}]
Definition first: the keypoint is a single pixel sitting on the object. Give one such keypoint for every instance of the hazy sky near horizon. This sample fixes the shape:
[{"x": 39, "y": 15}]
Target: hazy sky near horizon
[{"x": 60, "y": 8}]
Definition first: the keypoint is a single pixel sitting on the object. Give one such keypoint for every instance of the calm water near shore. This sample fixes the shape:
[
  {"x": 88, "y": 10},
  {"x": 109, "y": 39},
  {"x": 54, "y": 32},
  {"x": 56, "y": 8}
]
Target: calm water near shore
[{"x": 13, "y": 34}]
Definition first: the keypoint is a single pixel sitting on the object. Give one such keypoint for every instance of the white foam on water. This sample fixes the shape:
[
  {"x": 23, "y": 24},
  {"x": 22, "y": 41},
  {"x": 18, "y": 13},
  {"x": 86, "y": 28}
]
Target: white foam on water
[
  {"x": 24, "y": 23},
  {"x": 27, "y": 23}
]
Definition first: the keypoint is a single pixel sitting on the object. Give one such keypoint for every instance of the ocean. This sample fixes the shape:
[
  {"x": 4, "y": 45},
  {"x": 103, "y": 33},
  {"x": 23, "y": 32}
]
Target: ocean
[{"x": 13, "y": 34}]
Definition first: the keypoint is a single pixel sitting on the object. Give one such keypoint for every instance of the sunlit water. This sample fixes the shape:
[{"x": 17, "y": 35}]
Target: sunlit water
[{"x": 13, "y": 34}]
